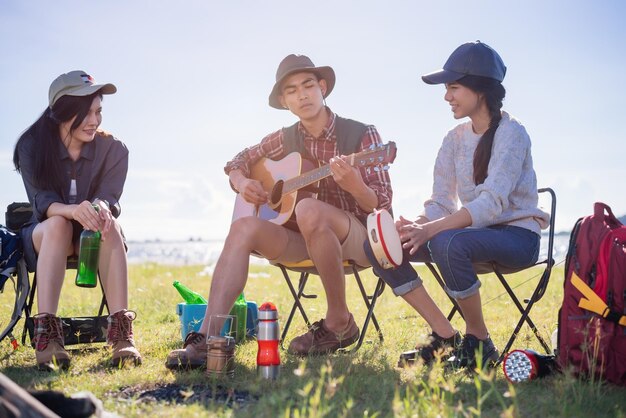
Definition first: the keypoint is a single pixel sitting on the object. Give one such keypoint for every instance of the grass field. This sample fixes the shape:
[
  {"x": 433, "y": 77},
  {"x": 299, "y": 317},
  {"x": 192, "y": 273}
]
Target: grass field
[{"x": 366, "y": 383}]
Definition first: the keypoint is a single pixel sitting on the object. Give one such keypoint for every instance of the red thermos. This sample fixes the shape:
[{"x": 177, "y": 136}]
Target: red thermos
[{"x": 268, "y": 358}]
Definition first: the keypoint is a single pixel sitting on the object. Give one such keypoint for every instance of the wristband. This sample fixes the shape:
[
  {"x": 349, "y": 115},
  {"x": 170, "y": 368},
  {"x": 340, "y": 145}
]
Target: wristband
[{"x": 95, "y": 202}]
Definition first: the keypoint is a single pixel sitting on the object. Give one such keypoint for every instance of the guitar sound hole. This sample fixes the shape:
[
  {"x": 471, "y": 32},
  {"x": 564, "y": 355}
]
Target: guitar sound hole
[{"x": 277, "y": 193}]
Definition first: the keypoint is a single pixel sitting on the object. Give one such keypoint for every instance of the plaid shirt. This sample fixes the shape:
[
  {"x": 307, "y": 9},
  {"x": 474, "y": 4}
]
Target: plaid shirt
[{"x": 322, "y": 149}]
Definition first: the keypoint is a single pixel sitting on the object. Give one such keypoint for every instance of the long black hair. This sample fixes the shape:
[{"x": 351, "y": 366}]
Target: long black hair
[
  {"x": 493, "y": 91},
  {"x": 47, "y": 171}
]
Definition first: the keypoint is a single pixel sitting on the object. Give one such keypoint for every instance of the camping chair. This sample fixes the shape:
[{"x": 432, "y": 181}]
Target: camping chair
[
  {"x": 76, "y": 330},
  {"x": 499, "y": 271},
  {"x": 305, "y": 269}
]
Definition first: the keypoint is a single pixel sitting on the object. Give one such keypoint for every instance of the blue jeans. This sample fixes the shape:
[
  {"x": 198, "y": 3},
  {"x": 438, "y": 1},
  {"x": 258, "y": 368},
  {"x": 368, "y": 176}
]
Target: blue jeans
[{"x": 454, "y": 252}]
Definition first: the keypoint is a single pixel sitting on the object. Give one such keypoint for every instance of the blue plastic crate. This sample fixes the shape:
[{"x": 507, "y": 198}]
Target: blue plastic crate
[{"x": 191, "y": 317}]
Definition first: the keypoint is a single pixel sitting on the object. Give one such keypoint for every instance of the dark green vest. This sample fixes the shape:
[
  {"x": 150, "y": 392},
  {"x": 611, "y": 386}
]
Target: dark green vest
[{"x": 349, "y": 134}]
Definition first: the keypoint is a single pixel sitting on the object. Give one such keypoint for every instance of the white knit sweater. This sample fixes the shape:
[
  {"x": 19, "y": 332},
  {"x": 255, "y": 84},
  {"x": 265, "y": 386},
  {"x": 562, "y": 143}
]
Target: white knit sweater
[{"x": 508, "y": 194}]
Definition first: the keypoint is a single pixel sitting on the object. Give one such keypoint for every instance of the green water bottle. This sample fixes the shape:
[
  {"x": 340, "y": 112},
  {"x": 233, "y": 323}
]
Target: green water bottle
[
  {"x": 88, "y": 255},
  {"x": 240, "y": 310},
  {"x": 189, "y": 296}
]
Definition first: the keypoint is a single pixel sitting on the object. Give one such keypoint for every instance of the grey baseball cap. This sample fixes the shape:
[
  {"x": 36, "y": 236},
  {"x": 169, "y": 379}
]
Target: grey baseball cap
[
  {"x": 76, "y": 83},
  {"x": 471, "y": 58}
]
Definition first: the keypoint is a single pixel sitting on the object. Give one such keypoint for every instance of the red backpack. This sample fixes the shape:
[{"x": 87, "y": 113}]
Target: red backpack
[{"x": 592, "y": 319}]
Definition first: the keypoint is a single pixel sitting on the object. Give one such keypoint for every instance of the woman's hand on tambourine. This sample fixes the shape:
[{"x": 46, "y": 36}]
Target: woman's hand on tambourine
[
  {"x": 252, "y": 192},
  {"x": 412, "y": 234}
]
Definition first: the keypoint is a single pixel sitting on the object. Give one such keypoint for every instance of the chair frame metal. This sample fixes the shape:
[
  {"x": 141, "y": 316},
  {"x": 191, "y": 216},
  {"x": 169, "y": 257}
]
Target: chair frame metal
[
  {"x": 500, "y": 272},
  {"x": 350, "y": 267}
]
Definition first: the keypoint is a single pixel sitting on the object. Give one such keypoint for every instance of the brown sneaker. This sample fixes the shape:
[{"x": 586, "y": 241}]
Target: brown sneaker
[
  {"x": 191, "y": 356},
  {"x": 321, "y": 340},
  {"x": 49, "y": 343},
  {"x": 120, "y": 337}
]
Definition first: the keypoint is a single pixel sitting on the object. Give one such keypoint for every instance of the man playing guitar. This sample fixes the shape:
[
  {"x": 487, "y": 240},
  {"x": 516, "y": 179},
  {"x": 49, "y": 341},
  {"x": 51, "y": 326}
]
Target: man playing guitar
[{"x": 329, "y": 228}]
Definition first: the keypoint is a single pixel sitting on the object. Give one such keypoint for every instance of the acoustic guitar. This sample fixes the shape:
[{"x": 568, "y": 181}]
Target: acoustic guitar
[{"x": 293, "y": 178}]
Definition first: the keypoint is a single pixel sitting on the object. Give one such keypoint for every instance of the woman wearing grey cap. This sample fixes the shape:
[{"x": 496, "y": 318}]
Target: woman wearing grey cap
[
  {"x": 70, "y": 168},
  {"x": 486, "y": 165}
]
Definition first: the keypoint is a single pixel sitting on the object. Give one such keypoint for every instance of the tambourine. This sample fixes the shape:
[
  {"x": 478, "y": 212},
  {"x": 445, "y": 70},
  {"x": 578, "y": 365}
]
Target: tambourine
[{"x": 384, "y": 239}]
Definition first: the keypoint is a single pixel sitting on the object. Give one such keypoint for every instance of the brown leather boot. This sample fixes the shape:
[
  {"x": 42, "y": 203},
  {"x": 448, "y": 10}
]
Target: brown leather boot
[
  {"x": 191, "y": 356},
  {"x": 49, "y": 342},
  {"x": 321, "y": 340},
  {"x": 120, "y": 337}
]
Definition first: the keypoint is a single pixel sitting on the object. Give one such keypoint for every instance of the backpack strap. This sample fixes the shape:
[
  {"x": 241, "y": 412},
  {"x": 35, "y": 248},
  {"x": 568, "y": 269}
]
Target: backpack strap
[
  {"x": 599, "y": 210},
  {"x": 593, "y": 303}
]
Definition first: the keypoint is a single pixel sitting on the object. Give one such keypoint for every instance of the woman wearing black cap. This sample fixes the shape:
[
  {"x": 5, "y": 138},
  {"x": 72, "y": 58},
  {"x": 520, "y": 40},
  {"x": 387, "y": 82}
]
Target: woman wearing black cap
[
  {"x": 486, "y": 165},
  {"x": 69, "y": 166}
]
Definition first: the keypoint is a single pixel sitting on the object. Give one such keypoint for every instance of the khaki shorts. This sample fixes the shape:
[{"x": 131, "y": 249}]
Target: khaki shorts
[{"x": 351, "y": 248}]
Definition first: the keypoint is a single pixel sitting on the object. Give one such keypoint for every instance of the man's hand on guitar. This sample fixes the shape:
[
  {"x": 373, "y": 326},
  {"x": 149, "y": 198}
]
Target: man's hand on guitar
[
  {"x": 346, "y": 176},
  {"x": 252, "y": 191}
]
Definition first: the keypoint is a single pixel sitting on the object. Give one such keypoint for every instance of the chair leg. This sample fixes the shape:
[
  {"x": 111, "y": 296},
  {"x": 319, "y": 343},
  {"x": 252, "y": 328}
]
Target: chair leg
[
  {"x": 366, "y": 299},
  {"x": 296, "y": 301},
  {"x": 524, "y": 318},
  {"x": 28, "y": 309},
  {"x": 103, "y": 302},
  {"x": 380, "y": 286},
  {"x": 455, "y": 306}
]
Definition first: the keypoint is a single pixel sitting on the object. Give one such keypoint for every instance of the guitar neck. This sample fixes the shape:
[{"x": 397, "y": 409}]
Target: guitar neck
[
  {"x": 306, "y": 179},
  {"x": 381, "y": 155},
  {"x": 311, "y": 177}
]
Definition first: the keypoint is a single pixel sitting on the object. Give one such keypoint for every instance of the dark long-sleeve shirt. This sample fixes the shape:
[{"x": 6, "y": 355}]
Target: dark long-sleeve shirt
[{"x": 100, "y": 172}]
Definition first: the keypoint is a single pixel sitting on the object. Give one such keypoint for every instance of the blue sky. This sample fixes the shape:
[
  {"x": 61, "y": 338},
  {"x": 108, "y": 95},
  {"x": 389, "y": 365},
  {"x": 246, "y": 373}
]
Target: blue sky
[{"x": 193, "y": 79}]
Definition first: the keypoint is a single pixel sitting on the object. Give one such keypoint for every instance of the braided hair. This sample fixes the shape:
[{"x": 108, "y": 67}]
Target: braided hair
[{"x": 493, "y": 91}]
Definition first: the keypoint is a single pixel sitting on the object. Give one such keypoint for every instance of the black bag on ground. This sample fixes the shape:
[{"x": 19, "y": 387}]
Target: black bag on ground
[{"x": 77, "y": 330}]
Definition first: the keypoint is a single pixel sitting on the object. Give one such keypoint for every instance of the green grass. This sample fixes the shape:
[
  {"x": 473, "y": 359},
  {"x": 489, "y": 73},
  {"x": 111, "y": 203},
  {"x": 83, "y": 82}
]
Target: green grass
[{"x": 344, "y": 385}]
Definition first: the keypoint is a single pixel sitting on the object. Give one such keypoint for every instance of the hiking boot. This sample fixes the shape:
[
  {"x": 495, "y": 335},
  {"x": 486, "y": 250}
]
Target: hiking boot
[
  {"x": 120, "y": 337},
  {"x": 191, "y": 356},
  {"x": 465, "y": 355},
  {"x": 321, "y": 340},
  {"x": 49, "y": 343},
  {"x": 428, "y": 352}
]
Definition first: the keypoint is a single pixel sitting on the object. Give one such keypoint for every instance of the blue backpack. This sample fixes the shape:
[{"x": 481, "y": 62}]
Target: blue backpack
[
  {"x": 12, "y": 266},
  {"x": 10, "y": 253}
]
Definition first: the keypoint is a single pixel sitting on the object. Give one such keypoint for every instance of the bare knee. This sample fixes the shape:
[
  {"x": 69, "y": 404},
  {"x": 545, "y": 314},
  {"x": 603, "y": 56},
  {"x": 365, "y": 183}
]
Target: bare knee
[
  {"x": 53, "y": 233},
  {"x": 310, "y": 216},
  {"x": 114, "y": 235},
  {"x": 244, "y": 232},
  {"x": 57, "y": 228}
]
